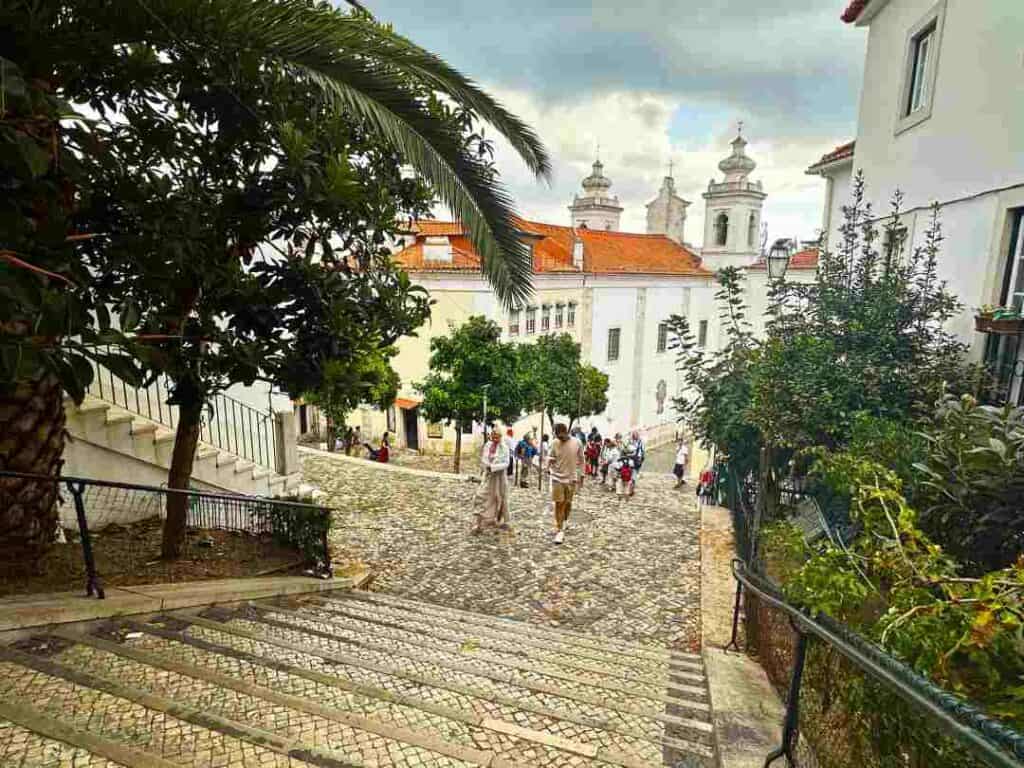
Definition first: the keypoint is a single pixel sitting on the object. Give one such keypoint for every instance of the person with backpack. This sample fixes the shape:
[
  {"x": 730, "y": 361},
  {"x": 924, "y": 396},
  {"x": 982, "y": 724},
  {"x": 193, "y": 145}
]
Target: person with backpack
[{"x": 525, "y": 453}]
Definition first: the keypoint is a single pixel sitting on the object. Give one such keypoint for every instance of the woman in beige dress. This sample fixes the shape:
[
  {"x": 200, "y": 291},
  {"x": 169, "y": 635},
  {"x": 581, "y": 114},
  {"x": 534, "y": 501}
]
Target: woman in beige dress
[{"x": 494, "y": 461}]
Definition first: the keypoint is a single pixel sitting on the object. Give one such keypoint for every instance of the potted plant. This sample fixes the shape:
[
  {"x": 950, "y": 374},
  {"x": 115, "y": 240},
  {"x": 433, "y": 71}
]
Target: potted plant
[{"x": 1001, "y": 320}]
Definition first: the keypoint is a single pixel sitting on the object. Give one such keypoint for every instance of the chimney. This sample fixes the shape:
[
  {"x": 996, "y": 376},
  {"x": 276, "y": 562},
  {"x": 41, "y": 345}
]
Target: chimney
[{"x": 577, "y": 253}]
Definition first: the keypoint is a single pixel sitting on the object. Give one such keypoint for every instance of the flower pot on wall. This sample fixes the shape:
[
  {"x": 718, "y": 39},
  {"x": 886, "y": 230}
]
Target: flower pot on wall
[{"x": 1005, "y": 326}]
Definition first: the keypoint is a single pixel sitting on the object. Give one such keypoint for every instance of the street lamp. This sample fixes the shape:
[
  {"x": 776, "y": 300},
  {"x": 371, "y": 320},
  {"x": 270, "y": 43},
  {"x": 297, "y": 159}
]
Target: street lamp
[{"x": 778, "y": 258}]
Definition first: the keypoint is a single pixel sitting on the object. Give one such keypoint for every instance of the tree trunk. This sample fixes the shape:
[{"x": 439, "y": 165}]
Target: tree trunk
[
  {"x": 32, "y": 441},
  {"x": 185, "y": 441},
  {"x": 458, "y": 446},
  {"x": 331, "y": 434}
]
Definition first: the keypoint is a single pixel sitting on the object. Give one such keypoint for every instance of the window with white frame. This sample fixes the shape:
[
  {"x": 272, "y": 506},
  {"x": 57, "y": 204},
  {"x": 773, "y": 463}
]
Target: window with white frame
[
  {"x": 513, "y": 322},
  {"x": 570, "y": 315},
  {"x": 1015, "y": 269},
  {"x": 662, "y": 337},
  {"x": 559, "y": 315},
  {"x": 613, "y": 344},
  {"x": 545, "y": 318},
  {"x": 702, "y": 334},
  {"x": 920, "y": 68},
  {"x": 920, "y": 55},
  {"x": 531, "y": 319}
]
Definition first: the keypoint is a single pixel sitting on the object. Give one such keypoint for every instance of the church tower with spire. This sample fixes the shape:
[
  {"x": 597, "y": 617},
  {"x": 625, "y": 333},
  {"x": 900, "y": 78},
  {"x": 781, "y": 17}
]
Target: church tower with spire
[
  {"x": 732, "y": 212},
  {"x": 596, "y": 208},
  {"x": 666, "y": 214}
]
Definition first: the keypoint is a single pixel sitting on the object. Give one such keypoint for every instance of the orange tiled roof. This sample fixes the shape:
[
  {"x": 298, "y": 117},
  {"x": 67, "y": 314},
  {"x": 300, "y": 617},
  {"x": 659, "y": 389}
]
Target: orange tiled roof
[
  {"x": 842, "y": 152},
  {"x": 805, "y": 259},
  {"x": 603, "y": 252}
]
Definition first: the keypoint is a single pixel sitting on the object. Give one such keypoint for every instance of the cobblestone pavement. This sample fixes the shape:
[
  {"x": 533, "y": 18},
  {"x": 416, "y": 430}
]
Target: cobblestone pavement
[{"x": 627, "y": 569}]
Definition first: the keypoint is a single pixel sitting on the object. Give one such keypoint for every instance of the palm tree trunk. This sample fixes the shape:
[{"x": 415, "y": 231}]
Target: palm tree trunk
[
  {"x": 31, "y": 440},
  {"x": 185, "y": 441}
]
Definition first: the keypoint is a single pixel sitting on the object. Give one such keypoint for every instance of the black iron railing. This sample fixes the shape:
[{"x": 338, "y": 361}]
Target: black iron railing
[
  {"x": 990, "y": 741},
  {"x": 939, "y": 715},
  {"x": 95, "y": 502},
  {"x": 227, "y": 423}
]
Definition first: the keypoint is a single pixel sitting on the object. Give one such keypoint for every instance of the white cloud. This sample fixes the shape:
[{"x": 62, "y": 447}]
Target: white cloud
[{"x": 634, "y": 131}]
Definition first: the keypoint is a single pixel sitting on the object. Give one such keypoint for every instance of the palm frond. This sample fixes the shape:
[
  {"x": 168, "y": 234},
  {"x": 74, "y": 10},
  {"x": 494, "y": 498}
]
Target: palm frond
[{"x": 374, "y": 73}]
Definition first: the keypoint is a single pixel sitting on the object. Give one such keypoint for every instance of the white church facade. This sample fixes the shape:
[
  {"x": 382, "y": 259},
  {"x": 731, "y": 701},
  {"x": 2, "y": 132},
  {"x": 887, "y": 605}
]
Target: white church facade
[{"x": 612, "y": 291}]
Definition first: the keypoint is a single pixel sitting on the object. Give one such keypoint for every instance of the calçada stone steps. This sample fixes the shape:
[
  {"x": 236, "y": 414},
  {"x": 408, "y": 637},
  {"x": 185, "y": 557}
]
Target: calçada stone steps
[{"x": 350, "y": 679}]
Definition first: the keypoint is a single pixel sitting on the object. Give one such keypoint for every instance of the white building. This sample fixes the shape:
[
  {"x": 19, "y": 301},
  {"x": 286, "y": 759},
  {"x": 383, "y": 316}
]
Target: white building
[
  {"x": 942, "y": 119},
  {"x": 612, "y": 291}
]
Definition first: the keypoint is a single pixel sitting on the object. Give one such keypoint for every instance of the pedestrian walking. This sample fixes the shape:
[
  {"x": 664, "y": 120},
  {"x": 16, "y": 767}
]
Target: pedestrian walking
[
  {"x": 682, "y": 456},
  {"x": 510, "y": 443},
  {"x": 624, "y": 481},
  {"x": 494, "y": 460},
  {"x": 565, "y": 465},
  {"x": 636, "y": 450},
  {"x": 526, "y": 453}
]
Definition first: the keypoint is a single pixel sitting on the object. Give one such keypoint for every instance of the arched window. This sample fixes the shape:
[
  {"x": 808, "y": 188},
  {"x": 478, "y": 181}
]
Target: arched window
[
  {"x": 721, "y": 228},
  {"x": 752, "y": 229}
]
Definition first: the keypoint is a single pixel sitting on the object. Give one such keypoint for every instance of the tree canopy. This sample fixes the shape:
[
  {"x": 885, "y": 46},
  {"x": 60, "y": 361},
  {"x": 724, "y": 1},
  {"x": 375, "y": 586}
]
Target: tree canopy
[{"x": 467, "y": 366}]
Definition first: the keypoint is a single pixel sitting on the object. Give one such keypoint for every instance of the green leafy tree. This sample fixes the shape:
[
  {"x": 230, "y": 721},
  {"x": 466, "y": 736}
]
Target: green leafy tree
[
  {"x": 367, "y": 378},
  {"x": 232, "y": 128},
  {"x": 556, "y": 382},
  {"x": 51, "y": 318},
  {"x": 717, "y": 391},
  {"x": 868, "y": 337},
  {"x": 462, "y": 364}
]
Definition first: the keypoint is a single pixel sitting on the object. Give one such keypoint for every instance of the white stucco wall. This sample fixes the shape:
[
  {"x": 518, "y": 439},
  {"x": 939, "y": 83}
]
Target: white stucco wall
[
  {"x": 973, "y": 140},
  {"x": 968, "y": 154}
]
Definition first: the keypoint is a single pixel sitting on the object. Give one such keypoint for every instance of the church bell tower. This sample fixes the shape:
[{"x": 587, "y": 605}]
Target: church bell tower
[{"x": 732, "y": 212}]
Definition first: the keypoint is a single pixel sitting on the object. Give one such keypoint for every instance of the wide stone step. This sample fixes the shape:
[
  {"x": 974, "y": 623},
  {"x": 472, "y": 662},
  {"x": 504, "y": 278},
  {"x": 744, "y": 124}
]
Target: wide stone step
[
  {"x": 342, "y": 730},
  {"x": 311, "y": 650},
  {"x": 565, "y": 636},
  {"x": 309, "y": 633},
  {"x": 150, "y": 726},
  {"x": 423, "y": 638},
  {"x": 582, "y": 657},
  {"x": 372, "y": 691},
  {"x": 23, "y": 746}
]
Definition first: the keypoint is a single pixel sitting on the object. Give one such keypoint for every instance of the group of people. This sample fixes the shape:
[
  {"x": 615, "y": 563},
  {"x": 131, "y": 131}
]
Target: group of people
[
  {"x": 352, "y": 438},
  {"x": 568, "y": 460}
]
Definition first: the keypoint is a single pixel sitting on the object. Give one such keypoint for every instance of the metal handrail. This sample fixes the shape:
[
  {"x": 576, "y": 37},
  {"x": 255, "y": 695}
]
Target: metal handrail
[
  {"x": 997, "y": 744},
  {"x": 226, "y": 511},
  {"x": 226, "y": 423}
]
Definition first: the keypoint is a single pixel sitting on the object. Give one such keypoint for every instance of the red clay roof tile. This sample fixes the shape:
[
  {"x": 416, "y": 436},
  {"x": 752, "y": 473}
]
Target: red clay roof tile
[
  {"x": 842, "y": 152},
  {"x": 603, "y": 252}
]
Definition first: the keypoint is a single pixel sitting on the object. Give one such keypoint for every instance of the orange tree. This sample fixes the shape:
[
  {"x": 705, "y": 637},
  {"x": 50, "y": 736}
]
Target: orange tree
[{"x": 243, "y": 164}]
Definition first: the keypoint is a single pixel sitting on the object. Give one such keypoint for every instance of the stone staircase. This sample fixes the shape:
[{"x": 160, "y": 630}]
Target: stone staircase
[
  {"x": 105, "y": 436},
  {"x": 345, "y": 679}
]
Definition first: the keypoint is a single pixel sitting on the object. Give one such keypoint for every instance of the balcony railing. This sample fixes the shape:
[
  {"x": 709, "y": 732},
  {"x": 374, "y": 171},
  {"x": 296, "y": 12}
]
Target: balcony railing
[{"x": 227, "y": 424}]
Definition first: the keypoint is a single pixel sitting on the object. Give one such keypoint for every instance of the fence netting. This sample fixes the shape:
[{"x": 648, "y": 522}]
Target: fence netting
[{"x": 847, "y": 719}]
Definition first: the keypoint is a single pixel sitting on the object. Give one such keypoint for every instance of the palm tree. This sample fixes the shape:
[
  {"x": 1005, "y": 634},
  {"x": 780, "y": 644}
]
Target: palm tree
[{"x": 51, "y": 49}]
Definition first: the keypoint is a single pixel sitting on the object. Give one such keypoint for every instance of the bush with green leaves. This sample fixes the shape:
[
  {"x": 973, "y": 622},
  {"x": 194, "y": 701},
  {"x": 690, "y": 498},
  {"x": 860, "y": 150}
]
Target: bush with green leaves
[
  {"x": 971, "y": 490},
  {"x": 897, "y": 586}
]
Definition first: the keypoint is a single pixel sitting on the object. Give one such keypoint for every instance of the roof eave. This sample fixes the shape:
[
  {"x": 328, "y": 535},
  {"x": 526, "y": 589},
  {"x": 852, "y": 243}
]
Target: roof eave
[
  {"x": 826, "y": 169},
  {"x": 865, "y": 14}
]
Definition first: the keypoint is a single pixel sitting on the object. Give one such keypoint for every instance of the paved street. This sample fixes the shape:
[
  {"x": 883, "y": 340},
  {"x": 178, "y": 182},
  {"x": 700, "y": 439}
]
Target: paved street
[{"x": 630, "y": 571}]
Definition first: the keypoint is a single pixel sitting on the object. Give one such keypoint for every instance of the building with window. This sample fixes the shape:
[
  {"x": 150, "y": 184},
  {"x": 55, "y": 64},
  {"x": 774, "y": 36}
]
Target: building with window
[
  {"x": 612, "y": 291},
  {"x": 941, "y": 119}
]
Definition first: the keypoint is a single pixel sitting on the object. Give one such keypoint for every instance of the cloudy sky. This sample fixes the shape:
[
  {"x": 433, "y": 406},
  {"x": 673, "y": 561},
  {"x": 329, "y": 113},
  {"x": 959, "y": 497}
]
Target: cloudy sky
[{"x": 654, "y": 80}]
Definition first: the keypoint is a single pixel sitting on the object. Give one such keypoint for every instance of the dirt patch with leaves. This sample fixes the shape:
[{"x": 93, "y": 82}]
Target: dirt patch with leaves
[{"x": 130, "y": 554}]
